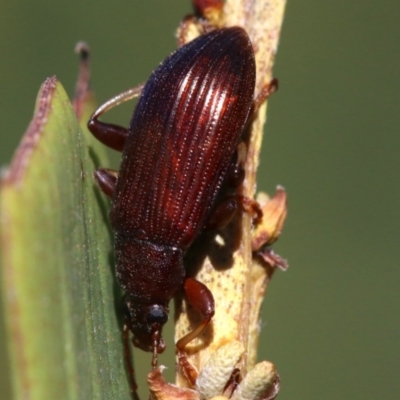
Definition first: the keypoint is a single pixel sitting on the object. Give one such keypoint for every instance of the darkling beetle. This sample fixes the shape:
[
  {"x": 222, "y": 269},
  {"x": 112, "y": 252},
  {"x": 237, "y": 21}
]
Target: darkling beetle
[{"x": 176, "y": 154}]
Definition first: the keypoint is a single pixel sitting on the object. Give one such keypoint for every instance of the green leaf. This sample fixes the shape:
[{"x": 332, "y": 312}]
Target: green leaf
[{"x": 58, "y": 285}]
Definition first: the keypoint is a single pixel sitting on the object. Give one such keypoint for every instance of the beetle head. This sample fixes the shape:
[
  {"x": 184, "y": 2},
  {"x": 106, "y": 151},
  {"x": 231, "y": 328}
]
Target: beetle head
[{"x": 146, "y": 323}]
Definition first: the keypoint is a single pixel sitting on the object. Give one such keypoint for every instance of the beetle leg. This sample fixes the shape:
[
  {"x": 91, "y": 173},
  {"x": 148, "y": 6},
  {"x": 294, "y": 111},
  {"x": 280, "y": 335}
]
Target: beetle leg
[
  {"x": 235, "y": 175},
  {"x": 111, "y": 135},
  {"x": 202, "y": 300},
  {"x": 223, "y": 213},
  {"x": 106, "y": 180},
  {"x": 233, "y": 382},
  {"x": 227, "y": 209},
  {"x": 128, "y": 360},
  {"x": 250, "y": 206},
  {"x": 265, "y": 92}
]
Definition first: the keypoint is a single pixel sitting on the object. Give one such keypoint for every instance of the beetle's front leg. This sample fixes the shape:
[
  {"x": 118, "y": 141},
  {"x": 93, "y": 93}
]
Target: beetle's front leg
[
  {"x": 111, "y": 135},
  {"x": 202, "y": 300}
]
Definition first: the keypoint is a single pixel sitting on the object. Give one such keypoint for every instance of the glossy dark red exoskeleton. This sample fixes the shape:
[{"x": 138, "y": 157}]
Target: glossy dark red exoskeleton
[{"x": 177, "y": 151}]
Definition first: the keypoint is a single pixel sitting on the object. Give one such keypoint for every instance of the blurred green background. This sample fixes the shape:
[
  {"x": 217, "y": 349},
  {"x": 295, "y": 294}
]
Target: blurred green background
[{"x": 331, "y": 323}]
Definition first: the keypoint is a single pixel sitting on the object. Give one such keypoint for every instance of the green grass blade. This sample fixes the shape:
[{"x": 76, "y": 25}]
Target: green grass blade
[{"x": 58, "y": 286}]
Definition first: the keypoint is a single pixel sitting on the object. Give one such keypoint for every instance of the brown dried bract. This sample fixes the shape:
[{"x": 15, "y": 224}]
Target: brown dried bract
[
  {"x": 274, "y": 215},
  {"x": 161, "y": 390}
]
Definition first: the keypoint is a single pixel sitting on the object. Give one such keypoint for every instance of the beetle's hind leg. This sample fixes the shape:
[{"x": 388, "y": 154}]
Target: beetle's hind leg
[{"x": 111, "y": 135}]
